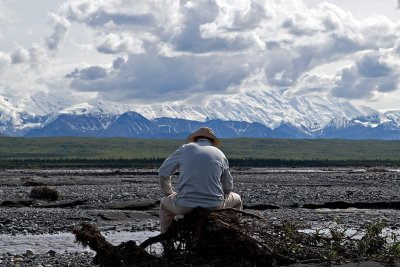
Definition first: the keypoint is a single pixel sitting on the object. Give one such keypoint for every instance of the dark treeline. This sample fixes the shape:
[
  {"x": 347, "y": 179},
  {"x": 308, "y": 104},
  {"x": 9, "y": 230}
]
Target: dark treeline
[
  {"x": 81, "y": 163},
  {"x": 156, "y": 162},
  {"x": 312, "y": 163}
]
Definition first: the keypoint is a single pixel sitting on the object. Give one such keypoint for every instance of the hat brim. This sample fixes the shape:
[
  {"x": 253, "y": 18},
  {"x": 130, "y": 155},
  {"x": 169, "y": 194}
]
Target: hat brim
[{"x": 193, "y": 136}]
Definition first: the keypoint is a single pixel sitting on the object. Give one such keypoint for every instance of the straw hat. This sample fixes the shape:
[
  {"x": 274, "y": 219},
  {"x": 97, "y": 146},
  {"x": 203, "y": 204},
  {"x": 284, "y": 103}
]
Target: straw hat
[{"x": 204, "y": 132}]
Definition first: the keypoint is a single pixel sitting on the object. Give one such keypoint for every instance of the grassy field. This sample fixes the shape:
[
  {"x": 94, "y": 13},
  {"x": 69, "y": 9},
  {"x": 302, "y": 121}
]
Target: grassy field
[
  {"x": 84, "y": 148},
  {"x": 241, "y": 148}
]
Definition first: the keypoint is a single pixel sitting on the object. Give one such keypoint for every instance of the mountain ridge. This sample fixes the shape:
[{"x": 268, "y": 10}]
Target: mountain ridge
[{"x": 251, "y": 114}]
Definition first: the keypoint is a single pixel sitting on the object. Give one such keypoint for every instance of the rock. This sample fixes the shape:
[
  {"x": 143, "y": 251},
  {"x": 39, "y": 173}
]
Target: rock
[
  {"x": 64, "y": 204},
  {"x": 29, "y": 253},
  {"x": 112, "y": 216},
  {"x": 18, "y": 259},
  {"x": 261, "y": 207},
  {"x": 17, "y": 203},
  {"x": 51, "y": 252},
  {"x": 33, "y": 183},
  {"x": 142, "y": 205}
]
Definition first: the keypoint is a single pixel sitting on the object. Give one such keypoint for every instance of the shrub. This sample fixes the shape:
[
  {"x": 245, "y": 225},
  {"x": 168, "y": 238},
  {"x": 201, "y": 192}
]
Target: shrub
[{"x": 44, "y": 193}]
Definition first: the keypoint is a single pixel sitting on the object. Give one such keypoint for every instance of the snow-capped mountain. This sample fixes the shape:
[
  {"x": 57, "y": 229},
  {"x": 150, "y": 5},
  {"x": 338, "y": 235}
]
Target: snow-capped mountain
[
  {"x": 393, "y": 116},
  {"x": 9, "y": 113},
  {"x": 268, "y": 108},
  {"x": 42, "y": 104},
  {"x": 375, "y": 126},
  {"x": 15, "y": 121},
  {"x": 251, "y": 114}
]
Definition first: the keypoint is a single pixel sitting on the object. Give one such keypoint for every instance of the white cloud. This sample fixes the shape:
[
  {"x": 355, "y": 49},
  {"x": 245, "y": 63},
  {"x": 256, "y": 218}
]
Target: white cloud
[
  {"x": 119, "y": 43},
  {"x": 97, "y": 14},
  {"x": 20, "y": 55},
  {"x": 312, "y": 83},
  {"x": 373, "y": 72},
  {"x": 60, "y": 28},
  {"x": 38, "y": 54},
  {"x": 209, "y": 26},
  {"x": 5, "y": 61},
  {"x": 151, "y": 76},
  {"x": 148, "y": 50},
  {"x": 34, "y": 55},
  {"x": 4, "y": 11},
  {"x": 88, "y": 74},
  {"x": 285, "y": 39},
  {"x": 379, "y": 32}
]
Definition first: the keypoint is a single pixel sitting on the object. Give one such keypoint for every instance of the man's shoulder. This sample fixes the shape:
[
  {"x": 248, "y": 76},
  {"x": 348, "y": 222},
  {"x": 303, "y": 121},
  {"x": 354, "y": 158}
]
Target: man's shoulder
[
  {"x": 214, "y": 150},
  {"x": 209, "y": 148},
  {"x": 185, "y": 146}
]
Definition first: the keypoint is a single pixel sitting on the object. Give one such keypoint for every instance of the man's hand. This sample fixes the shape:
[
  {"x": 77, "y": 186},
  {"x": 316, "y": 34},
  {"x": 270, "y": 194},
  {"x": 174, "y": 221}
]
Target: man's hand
[
  {"x": 166, "y": 187},
  {"x": 169, "y": 194}
]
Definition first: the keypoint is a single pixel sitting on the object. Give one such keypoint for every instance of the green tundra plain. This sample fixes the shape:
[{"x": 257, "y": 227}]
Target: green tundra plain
[{"x": 239, "y": 151}]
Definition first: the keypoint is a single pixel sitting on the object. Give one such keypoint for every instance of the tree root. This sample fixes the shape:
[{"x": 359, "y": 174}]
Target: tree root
[
  {"x": 211, "y": 237},
  {"x": 125, "y": 254}
]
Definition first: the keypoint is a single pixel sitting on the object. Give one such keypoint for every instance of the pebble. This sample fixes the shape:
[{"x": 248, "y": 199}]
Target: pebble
[
  {"x": 29, "y": 253},
  {"x": 46, "y": 260},
  {"x": 51, "y": 252}
]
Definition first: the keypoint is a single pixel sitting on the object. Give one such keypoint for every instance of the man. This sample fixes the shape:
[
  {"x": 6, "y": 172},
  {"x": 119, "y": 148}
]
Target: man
[{"x": 204, "y": 180}]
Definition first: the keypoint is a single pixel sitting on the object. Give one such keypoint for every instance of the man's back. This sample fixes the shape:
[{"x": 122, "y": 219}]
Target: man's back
[{"x": 204, "y": 176}]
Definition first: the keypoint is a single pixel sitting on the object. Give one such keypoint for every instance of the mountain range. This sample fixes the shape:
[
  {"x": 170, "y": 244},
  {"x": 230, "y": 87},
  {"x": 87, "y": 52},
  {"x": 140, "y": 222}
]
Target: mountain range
[{"x": 261, "y": 114}]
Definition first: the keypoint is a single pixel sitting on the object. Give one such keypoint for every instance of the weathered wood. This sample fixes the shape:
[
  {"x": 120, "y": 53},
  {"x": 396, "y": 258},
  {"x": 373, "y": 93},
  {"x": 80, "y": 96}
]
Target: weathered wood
[{"x": 107, "y": 255}]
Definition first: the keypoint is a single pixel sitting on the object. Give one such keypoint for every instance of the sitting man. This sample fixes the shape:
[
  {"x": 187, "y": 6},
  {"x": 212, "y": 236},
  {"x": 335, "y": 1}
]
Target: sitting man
[{"x": 204, "y": 180}]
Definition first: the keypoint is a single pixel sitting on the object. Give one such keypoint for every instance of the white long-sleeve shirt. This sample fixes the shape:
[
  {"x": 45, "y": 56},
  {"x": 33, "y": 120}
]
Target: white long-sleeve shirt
[{"x": 204, "y": 175}]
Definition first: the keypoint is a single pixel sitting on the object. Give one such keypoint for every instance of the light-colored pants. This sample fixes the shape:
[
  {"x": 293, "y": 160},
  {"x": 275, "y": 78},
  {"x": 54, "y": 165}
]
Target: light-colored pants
[{"x": 169, "y": 209}]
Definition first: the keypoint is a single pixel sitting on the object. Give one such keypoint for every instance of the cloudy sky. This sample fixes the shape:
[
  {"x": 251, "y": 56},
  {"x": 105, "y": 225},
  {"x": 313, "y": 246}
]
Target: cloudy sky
[{"x": 145, "y": 51}]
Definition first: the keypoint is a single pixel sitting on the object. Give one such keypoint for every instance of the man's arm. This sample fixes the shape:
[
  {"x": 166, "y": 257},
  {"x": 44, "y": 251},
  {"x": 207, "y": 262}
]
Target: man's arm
[
  {"x": 226, "y": 178},
  {"x": 170, "y": 165}
]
